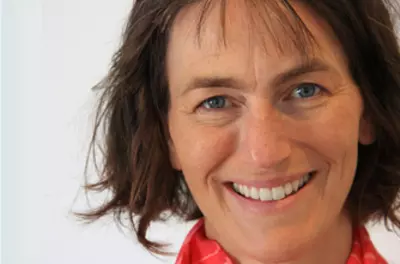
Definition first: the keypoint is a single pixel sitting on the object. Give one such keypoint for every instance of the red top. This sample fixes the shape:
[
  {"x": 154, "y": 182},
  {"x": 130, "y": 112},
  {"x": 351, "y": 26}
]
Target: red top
[{"x": 198, "y": 249}]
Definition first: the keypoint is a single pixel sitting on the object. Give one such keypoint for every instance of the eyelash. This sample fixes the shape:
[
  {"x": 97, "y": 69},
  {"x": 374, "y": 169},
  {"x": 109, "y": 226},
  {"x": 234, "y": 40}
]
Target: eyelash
[{"x": 319, "y": 90}]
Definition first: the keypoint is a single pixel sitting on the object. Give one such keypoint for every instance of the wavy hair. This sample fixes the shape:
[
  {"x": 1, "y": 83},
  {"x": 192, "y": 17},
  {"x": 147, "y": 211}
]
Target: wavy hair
[{"x": 131, "y": 121}]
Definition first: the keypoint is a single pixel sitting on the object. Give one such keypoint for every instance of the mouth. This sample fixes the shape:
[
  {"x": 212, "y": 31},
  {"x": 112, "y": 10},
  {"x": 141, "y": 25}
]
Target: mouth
[{"x": 272, "y": 194}]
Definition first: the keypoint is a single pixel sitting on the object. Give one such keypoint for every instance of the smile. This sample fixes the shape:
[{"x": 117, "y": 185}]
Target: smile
[{"x": 272, "y": 194}]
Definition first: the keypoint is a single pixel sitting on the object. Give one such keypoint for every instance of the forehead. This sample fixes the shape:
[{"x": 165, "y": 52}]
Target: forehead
[
  {"x": 211, "y": 34},
  {"x": 226, "y": 23}
]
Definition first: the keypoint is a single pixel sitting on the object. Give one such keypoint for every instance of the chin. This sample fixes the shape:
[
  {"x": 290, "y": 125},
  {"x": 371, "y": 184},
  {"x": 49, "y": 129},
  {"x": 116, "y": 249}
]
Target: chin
[{"x": 279, "y": 245}]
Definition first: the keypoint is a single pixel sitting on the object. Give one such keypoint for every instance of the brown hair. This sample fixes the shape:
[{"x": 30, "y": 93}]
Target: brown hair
[{"x": 134, "y": 105}]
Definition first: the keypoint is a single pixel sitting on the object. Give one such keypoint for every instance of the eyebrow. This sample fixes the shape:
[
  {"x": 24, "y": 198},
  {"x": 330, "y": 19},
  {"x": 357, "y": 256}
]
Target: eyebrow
[{"x": 304, "y": 67}]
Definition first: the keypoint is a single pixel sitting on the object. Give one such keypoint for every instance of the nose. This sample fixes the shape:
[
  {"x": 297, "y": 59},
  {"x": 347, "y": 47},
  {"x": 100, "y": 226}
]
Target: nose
[{"x": 263, "y": 141}]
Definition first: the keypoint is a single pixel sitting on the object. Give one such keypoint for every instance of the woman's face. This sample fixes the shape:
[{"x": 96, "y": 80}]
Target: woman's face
[{"x": 247, "y": 116}]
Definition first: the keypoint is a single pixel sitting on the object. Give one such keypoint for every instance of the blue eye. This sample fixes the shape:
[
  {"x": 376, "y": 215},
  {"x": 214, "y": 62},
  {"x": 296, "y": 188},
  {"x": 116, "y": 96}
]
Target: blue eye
[
  {"x": 215, "y": 102},
  {"x": 306, "y": 90}
]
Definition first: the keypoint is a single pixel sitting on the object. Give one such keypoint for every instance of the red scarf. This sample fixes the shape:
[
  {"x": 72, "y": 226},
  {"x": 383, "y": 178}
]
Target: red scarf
[{"x": 197, "y": 249}]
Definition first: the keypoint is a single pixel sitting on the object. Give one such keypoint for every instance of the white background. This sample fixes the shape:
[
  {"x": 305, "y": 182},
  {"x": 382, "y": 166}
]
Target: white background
[{"x": 53, "y": 52}]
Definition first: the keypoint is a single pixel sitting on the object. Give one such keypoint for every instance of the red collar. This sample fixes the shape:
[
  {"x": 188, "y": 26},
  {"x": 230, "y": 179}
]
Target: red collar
[{"x": 198, "y": 249}]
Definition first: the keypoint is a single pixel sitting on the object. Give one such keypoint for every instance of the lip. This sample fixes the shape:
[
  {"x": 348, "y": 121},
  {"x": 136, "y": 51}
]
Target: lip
[
  {"x": 275, "y": 182},
  {"x": 249, "y": 205}
]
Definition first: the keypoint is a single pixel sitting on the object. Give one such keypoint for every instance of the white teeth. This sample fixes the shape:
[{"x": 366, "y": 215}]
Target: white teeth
[
  {"x": 301, "y": 182},
  {"x": 254, "y": 193},
  {"x": 278, "y": 193},
  {"x": 269, "y": 194},
  {"x": 295, "y": 185},
  {"x": 246, "y": 191},
  {"x": 265, "y": 194},
  {"x": 288, "y": 188}
]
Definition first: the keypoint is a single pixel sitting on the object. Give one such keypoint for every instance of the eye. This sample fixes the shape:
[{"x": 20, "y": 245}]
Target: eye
[
  {"x": 216, "y": 102},
  {"x": 306, "y": 90}
]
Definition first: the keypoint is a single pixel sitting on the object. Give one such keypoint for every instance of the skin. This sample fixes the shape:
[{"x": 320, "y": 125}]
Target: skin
[{"x": 264, "y": 131}]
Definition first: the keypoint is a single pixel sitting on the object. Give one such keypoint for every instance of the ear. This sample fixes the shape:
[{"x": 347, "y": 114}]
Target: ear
[
  {"x": 366, "y": 131},
  {"x": 173, "y": 156}
]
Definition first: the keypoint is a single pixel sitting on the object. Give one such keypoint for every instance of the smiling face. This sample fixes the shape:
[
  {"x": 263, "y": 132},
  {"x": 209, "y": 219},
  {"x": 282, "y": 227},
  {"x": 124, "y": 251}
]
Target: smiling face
[{"x": 257, "y": 118}]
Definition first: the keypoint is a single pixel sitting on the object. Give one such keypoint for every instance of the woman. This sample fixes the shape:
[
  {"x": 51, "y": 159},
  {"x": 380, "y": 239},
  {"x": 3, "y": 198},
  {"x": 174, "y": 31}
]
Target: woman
[{"x": 275, "y": 123}]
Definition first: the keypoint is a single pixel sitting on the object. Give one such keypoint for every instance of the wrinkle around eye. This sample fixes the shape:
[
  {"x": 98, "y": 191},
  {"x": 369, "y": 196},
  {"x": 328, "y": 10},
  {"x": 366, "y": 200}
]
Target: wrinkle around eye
[
  {"x": 226, "y": 100},
  {"x": 218, "y": 116},
  {"x": 319, "y": 89}
]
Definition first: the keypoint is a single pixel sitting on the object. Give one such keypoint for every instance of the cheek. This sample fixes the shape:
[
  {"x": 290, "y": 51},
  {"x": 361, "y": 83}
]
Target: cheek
[
  {"x": 334, "y": 145},
  {"x": 201, "y": 150},
  {"x": 332, "y": 132}
]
